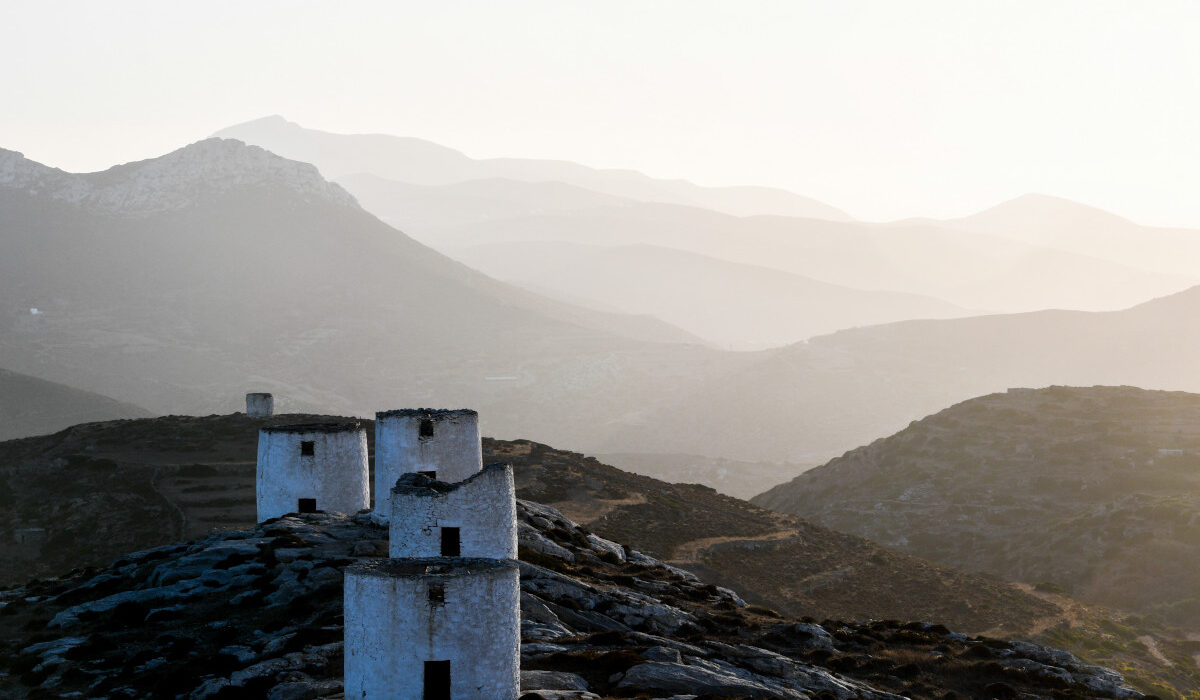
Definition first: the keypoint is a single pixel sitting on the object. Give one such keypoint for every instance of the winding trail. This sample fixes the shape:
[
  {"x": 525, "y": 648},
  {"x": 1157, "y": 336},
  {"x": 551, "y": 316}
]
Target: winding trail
[{"x": 690, "y": 551}]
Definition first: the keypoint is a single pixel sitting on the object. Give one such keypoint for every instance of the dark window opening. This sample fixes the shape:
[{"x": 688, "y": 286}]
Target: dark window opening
[
  {"x": 451, "y": 543},
  {"x": 425, "y": 430},
  {"x": 307, "y": 448},
  {"x": 306, "y": 505},
  {"x": 437, "y": 680},
  {"x": 437, "y": 594},
  {"x": 432, "y": 474}
]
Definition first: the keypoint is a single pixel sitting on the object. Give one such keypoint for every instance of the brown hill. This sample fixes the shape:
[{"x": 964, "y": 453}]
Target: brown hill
[{"x": 1095, "y": 491}]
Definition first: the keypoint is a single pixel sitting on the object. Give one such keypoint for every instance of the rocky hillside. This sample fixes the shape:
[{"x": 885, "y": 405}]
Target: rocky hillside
[
  {"x": 100, "y": 490},
  {"x": 257, "y": 613},
  {"x": 1093, "y": 491},
  {"x": 32, "y": 406}
]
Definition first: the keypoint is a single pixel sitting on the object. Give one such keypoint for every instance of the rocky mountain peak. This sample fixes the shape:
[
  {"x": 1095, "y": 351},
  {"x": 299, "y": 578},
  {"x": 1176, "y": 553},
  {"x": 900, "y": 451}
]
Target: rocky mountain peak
[{"x": 172, "y": 181}]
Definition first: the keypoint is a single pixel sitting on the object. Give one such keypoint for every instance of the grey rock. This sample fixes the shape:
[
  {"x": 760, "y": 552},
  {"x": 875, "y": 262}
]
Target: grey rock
[
  {"x": 304, "y": 690},
  {"x": 241, "y": 652},
  {"x": 600, "y": 545},
  {"x": 551, "y": 680},
  {"x": 658, "y": 676},
  {"x": 530, "y": 538},
  {"x": 208, "y": 688},
  {"x": 666, "y": 654}
]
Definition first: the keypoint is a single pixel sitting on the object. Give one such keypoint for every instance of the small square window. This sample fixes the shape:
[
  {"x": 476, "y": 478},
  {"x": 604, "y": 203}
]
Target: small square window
[
  {"x": 425, "y": 429},
  {"x": 307, "y": 448},
  {"x": 437, "y": 594}
]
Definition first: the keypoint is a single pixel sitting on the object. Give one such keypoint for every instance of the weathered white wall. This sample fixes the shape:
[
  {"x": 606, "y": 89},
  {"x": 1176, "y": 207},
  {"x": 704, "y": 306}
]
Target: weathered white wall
[
  {"x": 336, "y": 474},
  {"x": 260, "y": 405},
  {"x": 453, "y": 452},
  {"x": 483, "y": 506},
  {"x": 392, "y": 629}
]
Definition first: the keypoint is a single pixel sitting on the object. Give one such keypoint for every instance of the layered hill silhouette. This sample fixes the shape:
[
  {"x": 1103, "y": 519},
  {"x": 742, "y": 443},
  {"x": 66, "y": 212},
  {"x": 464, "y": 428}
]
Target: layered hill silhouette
[
  {"x": 1093, "y": 491},
  {"x": 447, "y": 200},
  {"x": 730, "y": 304},
  {"x": 1070, "y": 226},
  {"x": 848, "y": 388},
  {"x": 419, "y": 162},
  {"x": 32, "y": 406},
  {"x": 176, "y": 282}
]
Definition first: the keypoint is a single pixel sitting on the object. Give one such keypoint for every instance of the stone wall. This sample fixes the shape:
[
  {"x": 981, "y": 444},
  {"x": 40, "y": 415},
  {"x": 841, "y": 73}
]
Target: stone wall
[{"x": 483, "y": 507}]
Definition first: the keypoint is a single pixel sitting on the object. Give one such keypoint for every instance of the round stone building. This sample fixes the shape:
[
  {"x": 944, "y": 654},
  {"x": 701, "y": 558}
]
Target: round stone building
[
  {"x": 433, "y": 629},
  {"x": 442, "y": 444},
  {"x": 259, "y": 405},
  {"x": 310, "y": 467},
  {"x": 476, "y": 517}
]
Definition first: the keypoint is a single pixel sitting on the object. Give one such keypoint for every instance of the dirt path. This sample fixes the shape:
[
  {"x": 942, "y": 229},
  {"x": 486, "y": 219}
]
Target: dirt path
[
  {"x": 690, "y": 551},
  {"x": 1152, "y": 645},
  {"x": 589, "y": 511},
  {"x": 1070, "y": 612}
]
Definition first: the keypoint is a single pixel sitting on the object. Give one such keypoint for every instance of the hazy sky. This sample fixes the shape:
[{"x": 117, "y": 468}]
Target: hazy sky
[{"x": 886, "y": 109}]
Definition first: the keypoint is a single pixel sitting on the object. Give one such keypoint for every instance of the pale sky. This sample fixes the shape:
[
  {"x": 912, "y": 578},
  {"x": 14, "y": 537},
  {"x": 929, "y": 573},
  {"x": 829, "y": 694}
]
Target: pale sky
[{"x": 886, "y": 109}]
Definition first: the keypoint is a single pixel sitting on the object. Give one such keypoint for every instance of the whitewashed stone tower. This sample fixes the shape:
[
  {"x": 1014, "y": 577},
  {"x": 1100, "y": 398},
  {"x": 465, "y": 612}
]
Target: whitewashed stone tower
[
  {"x": 311, "y": 467},
  {"x": 260, "y": 405},
  {"x": 442, "y": 444},
  {"x": 441, "y": 618},
  {"x": 473, "y": 518},
  {"x": 433, "y": 629}
]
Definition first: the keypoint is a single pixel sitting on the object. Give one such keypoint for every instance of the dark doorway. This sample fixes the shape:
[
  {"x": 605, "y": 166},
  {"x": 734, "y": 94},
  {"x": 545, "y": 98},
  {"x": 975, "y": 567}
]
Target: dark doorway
[
  {"x": 451, "y": 543},
  {"x": 306, "y": 505},
  {"x": 437, "y": 594},
  {"x": 432, "y": 474},
  {"x": 307, "y": 448},
  {"x": 437, "y": 680},
  {"x": 425, "y": 430}
]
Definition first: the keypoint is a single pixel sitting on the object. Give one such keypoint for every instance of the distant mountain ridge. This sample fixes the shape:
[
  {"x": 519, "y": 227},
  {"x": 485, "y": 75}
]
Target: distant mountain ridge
[
  {"x": 730, "y": 304},
  {"x": 814, "y": 400},
  {"x": 420, "y": 162},
  {"x": 274, "y": 279},
  {"x": 170, "y": 181},
  {"x": 32, "y": 406}
]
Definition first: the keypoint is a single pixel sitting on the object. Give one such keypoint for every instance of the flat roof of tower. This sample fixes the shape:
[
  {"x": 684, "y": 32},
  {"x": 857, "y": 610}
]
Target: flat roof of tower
[
  {"x": 433, "y": 413},
  {"x": 447, "y": 567},
  {"x": 333, "y": 427}
]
